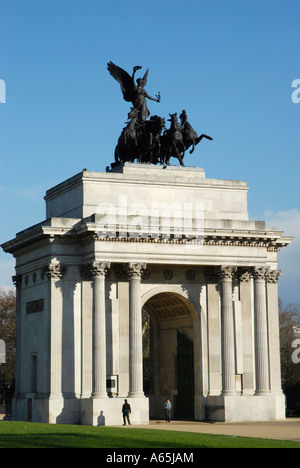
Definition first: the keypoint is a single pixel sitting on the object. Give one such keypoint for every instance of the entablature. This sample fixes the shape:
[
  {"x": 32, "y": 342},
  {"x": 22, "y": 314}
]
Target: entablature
[{"x": 79, "y": 232}]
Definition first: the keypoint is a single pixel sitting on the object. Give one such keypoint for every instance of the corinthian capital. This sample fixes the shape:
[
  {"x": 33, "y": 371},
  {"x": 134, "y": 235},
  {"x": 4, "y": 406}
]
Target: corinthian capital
[
  {"x": 245, "y": 276},
  {"x": 135, "y": 270},
  {"x": 226, "y": 272},
  {"x": 98, "y": 268},
  {"x": 54, "y": 270},
  {"x": 259, "y": 273},
  {"x": 273, "y": 276}
]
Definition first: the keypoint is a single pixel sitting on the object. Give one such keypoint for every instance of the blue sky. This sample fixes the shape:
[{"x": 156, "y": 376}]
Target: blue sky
[{"x": 229, "y": 63}]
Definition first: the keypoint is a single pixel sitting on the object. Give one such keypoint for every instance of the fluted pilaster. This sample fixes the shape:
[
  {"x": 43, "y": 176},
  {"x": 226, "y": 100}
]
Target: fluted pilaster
[
  {"x": 261, "y": 331},
  {"x": 55, "y": 272},
  {"x": 98, "y": 271}
]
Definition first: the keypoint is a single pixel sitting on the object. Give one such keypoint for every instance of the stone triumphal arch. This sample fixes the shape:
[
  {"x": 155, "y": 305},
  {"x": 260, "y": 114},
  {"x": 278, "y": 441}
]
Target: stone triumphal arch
[{"x": 167, "y": 242}]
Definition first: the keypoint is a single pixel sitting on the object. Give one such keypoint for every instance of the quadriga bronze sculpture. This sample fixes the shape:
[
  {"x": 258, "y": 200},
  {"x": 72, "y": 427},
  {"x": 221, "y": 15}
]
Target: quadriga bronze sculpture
[{"x": 142, "y": 139}]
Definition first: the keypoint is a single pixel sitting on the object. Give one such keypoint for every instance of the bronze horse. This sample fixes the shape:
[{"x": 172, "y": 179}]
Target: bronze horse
[
  {"x": 189, "y": 135},
  {"x": 149, "y": 139},
  {"x": 128, "y": 138},
  {"x": 139, "y": 140},
  {"x": 172, "y": 142}
]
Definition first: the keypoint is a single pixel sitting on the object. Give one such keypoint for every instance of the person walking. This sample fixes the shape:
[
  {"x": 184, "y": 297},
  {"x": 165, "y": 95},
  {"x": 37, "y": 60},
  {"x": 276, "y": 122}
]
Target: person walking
[
  {"x": 126, "y": 410},
  {"x": 168, "y": 408}
]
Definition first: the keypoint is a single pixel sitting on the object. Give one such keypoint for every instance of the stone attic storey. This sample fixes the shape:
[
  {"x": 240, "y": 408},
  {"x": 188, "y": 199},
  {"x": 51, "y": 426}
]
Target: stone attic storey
[{"x": 171, "y": 243}]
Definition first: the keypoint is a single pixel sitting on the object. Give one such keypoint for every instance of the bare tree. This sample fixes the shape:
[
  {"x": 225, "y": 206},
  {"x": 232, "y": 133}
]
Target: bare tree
[
  {"x": 8, "y": 336},
  {"x": 289, "y": 319}
]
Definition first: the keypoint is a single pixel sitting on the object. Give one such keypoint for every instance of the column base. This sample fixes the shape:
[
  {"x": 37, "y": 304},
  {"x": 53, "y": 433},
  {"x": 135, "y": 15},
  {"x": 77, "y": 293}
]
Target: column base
[
  {"x": 230, "y": 393},
  {"x": 136, "y": 395},
  {"x": 99, "y": 395}
]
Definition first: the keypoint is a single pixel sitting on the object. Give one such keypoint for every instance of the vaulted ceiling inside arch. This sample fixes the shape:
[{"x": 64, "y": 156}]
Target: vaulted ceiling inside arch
[{"x": 168, "y": 306}]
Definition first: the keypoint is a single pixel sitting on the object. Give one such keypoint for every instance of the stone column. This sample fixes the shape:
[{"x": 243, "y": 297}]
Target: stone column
[
  {"x": 227, "y": 330},
  {"x": 273, "y": 327},
  {"x": 261, "y": 331},
  {"x": 213, "y": 330},
  {"x": 86, "y": 331},
  {"x": 55, "y": 272},
  {"x": 98, "y": 271},
  {"x": 134, "y": 270},
  {"x": 248, "y": 355}
]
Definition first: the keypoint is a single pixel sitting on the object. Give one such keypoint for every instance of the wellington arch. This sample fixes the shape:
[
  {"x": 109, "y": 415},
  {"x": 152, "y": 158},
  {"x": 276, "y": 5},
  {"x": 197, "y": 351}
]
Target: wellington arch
[{"x": 167, "y": 241}]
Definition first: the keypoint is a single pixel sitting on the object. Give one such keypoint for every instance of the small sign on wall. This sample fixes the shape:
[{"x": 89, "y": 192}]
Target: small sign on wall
[{"x": 35, "y": 306}]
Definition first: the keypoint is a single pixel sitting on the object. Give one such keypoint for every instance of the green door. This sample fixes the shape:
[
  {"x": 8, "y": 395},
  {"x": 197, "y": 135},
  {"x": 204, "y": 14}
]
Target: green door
[{"x": 185, "y": 376}]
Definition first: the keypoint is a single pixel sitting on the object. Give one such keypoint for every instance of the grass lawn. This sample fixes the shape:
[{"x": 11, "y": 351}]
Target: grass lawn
[{"x": 35, "y": 435}]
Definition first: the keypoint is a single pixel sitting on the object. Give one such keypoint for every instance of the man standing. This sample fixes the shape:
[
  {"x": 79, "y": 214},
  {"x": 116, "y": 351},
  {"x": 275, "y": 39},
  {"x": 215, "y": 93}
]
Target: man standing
[
  {"x": 126, "y": 410},
  {"x": 168, "y": 407}
]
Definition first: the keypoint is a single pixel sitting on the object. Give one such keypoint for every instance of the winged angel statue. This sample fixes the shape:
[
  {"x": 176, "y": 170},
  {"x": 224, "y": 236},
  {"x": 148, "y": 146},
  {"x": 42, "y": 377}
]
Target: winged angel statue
[{"x": 134, "y": 93}]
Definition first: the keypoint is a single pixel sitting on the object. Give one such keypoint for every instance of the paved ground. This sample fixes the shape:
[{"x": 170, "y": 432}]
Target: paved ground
[{"x": 284, "y": 430}]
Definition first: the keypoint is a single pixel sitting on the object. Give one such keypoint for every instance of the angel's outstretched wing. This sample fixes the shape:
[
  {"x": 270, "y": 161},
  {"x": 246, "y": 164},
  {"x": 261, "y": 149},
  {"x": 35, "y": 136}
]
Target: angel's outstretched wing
[
  {"x": 145, "y": 77},
  {"x": 125, "y": 80}
]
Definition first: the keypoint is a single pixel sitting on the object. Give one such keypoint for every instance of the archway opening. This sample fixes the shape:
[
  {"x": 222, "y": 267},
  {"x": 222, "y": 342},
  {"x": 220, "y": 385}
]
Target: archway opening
[{"x": 168, "y": 354}]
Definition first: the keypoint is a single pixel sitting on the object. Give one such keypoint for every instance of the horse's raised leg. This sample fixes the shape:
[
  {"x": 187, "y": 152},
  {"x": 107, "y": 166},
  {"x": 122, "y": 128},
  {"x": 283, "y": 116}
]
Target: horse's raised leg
[
  {"x": 192, "y": 150},
  {"x": 207, "y": 137},
  {"x": 202, "y": 136}
]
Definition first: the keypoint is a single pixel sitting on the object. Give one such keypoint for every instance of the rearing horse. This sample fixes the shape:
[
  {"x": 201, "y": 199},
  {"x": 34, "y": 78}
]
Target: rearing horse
[
  {"x": 189, "y": 135},
  {"x": 172, "y": 142}
]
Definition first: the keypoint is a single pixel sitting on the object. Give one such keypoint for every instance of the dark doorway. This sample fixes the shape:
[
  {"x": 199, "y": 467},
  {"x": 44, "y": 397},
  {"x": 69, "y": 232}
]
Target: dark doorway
[
  {"x": 168, "y": 355},
  {"x": 185, "y": 377},
  {"x": 29, "y": 409}
]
